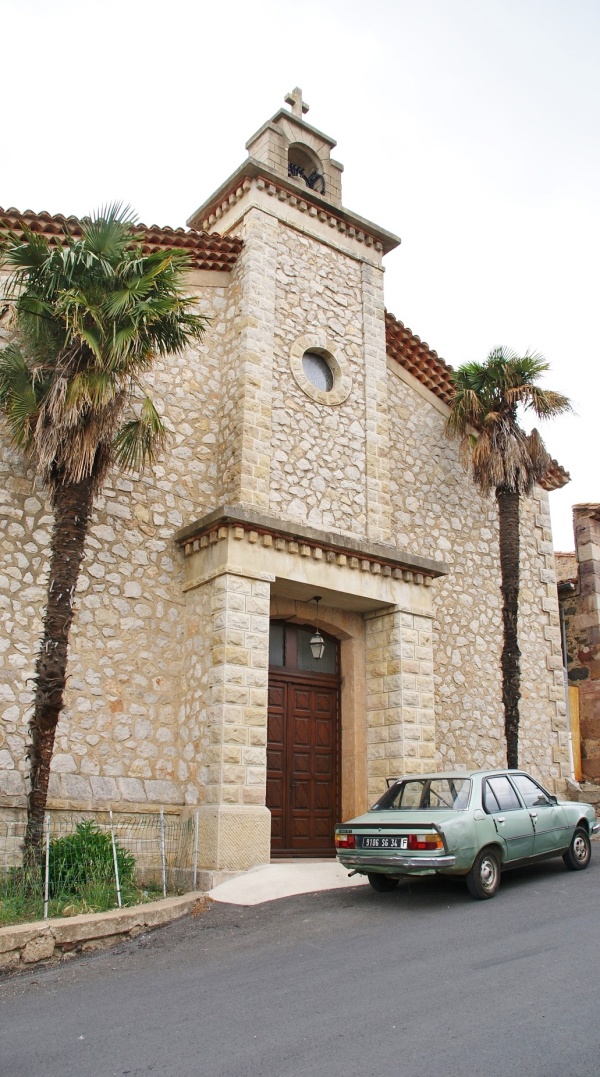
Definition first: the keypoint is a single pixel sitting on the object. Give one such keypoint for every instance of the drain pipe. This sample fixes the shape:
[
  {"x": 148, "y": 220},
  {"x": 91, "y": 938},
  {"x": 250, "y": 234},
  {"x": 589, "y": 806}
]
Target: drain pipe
[{"x": 564, "y": 590}]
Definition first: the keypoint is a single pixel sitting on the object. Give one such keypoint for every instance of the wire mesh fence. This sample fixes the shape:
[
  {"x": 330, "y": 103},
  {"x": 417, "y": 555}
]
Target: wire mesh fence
[{"x": 91, "y": 862}]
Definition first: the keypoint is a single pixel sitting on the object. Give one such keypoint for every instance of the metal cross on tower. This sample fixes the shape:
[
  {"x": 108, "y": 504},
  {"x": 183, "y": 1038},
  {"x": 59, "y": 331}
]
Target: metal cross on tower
[{"x": 295, "y": 100}]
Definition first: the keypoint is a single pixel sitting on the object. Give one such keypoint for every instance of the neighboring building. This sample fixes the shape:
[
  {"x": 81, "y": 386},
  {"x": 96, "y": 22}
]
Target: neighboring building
[
  {"x": 578, "y": 577},
  {"x": 307, "y": 457}
]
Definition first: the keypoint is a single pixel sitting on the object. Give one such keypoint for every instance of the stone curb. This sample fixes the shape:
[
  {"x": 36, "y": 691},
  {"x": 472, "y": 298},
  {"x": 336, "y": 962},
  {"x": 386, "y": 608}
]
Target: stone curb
[{"x": 26, "y": 944}]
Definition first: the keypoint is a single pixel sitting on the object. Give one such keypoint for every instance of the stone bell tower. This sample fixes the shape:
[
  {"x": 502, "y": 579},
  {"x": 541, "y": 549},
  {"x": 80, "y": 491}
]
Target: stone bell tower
[
  {"x": 302, "y": 507},
  {"x": 309, "y": 279},
  {"x": 292, "y": 149}
]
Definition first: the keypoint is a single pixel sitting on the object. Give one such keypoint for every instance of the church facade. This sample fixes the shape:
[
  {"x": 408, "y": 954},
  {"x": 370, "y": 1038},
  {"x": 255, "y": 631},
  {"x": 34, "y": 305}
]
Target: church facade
[{"x": 308, "y": 489}]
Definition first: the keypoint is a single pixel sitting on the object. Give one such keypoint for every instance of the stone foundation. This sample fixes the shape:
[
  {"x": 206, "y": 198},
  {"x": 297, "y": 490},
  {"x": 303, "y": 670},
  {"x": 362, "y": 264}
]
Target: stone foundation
[{"x": 57, "y": 939}]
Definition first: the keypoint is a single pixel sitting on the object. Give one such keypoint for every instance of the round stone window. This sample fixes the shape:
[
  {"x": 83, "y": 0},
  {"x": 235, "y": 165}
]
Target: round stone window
[{"x": 318, "y": 371}]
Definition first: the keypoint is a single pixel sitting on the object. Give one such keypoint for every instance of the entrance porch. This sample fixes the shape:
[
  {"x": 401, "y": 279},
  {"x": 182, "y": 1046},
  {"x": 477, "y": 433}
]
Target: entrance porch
[{"x": 375, "y": 717}]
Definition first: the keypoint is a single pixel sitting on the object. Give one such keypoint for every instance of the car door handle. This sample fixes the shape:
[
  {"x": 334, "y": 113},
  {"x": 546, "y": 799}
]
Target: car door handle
[
  {"x": 533, "y": 814},
  {"x": 501, "y": 819}
]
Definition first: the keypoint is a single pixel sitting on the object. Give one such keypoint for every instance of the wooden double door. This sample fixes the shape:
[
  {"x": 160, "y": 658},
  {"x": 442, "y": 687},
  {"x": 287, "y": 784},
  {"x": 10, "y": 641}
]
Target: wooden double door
[{"x": 303, "y": 758}]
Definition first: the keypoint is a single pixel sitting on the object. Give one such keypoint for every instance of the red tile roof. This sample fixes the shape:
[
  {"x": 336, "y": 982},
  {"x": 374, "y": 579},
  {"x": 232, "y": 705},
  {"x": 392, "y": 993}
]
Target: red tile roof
[
  {"x": 206, "y": 250},
  {"x": 418, "y": 358},
  {"x": 426, "y": 366},
  {"x": 209, "y": 250},
  {"x": 556, "y": 477}
]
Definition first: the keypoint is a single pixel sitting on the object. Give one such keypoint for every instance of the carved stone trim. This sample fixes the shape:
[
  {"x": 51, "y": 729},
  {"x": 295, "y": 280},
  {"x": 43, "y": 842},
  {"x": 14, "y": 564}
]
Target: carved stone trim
[
  {"x": 277, "y": 190},
  {"x": 247, "y": 526}
]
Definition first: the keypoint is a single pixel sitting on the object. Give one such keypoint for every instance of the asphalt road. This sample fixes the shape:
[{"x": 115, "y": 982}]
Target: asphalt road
[{"x": 424, "y": 981}]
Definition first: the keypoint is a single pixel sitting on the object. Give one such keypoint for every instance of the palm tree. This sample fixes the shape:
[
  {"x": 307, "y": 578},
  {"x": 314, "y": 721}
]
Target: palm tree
[
  {"x": 88, "y": 318},
  {"x": 503, "y": 458}
]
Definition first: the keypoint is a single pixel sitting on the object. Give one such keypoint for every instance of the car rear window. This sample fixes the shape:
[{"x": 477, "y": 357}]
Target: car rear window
[{"x": 426, "y": 794}]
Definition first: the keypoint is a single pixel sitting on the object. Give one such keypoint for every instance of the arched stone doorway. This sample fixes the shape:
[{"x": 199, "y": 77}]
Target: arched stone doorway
[{"x": 303, "y": 742}]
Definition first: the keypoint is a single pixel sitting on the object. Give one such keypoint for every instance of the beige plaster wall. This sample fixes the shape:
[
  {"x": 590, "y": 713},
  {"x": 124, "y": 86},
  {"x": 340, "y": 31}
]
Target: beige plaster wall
[
  {"x": 118, "y": 738},
  {"x": 438, "y": 513}
]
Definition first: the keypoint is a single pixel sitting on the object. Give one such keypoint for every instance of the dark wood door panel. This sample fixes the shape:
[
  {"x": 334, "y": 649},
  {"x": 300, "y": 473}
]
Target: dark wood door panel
[{"x": 302, "y": 765}]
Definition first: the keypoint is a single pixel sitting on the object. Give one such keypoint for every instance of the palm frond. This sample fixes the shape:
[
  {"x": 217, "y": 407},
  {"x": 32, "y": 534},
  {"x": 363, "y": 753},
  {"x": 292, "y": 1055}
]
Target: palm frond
[
  {"x": 140, "y": 439},
  {"x": 109, "y": 231},
  {"x": 92, "y": 314},
  {"x": 546, "y": 403},
  {"x": 26, "y": 256},
  {"x": 484, "y": 415},
  {"x": 18, "y": 398}
]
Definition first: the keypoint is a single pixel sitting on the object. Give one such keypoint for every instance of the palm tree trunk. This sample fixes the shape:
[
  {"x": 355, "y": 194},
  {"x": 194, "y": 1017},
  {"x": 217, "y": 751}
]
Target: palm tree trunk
[
  {"x": 508, "y": 518},
  {"x": 72, "y": 505}
]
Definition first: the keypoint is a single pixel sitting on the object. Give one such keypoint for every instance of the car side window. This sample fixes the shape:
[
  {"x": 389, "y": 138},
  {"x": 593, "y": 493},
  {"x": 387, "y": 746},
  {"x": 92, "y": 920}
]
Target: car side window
[
  {"x": 503, "y": 794},
  {"x": 490, "y": 803},
  {"x": 533, "y": 795}
]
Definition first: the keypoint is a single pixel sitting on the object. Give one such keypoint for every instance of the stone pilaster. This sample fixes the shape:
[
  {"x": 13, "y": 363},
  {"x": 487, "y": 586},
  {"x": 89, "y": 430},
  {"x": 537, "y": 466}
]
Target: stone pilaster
[
  {"x": 244, "y": 456},
  {"x": 584, "y": 635},
  {"x": 400, "y": 714},
  {"x": 228, "y": 696},
  {"x": 549, "y": 615},
  {"x": 377, "y": 444}
]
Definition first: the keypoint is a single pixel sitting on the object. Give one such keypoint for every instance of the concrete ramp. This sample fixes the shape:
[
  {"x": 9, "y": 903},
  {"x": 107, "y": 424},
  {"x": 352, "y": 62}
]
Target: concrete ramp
[{"x": 284, "y": 878}]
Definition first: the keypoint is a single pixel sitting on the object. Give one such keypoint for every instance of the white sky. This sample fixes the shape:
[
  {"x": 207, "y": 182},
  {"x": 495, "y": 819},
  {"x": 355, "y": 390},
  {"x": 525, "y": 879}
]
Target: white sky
[{"x": 467, "y": 127}]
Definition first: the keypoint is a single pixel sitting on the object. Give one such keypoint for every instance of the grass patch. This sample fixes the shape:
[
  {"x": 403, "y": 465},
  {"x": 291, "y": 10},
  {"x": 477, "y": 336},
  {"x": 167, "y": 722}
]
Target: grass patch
[{"x": 81, "y": 879}]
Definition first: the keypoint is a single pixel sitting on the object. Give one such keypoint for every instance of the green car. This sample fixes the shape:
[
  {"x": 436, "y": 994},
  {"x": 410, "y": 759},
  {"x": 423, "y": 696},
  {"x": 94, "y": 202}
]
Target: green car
[{"x": 472, "y": 823}]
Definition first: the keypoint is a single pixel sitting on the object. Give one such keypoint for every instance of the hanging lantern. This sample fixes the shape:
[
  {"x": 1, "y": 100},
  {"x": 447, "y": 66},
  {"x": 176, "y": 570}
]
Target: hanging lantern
[{"x": 317, "y": 643}]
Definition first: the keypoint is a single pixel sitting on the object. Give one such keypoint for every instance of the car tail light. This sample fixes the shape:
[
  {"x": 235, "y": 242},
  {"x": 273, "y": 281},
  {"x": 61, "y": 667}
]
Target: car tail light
[
  {"x": 345, "y": 841},
  {"x": 429, "y": 842}
]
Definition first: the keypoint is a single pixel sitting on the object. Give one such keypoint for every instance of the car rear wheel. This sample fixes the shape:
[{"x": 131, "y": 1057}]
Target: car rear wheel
[
  {"x": 483, "y": 879},
  {"x": 577, "y": 856},
  {"x": 382, "y": 883}
]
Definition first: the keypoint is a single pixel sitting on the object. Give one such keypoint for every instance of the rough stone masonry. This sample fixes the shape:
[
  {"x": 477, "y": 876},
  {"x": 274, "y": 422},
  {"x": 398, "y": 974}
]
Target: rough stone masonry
[{"x": 352, "y": 493}]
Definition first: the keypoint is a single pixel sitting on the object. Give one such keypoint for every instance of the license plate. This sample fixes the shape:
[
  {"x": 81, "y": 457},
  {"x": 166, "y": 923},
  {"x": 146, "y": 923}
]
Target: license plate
[{"x": 367, "y": 842}]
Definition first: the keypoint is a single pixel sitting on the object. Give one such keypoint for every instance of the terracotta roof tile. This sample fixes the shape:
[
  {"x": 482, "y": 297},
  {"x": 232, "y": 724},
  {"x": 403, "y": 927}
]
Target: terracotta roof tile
[
  {"x": 418, "y": 358},
  {"x": 206, "y": 250},
  {"x": 209, "y": 250},
  {"x": 426, "y": 366},
  {"x": 556, "y": 477}
]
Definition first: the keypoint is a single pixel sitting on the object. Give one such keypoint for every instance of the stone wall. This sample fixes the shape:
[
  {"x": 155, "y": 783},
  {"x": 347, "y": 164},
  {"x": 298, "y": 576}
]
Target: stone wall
[
  {"x": 318, "y": 453},
  {"x": 118, "y": 738},
  {"x": 55, "y": 939},
  {"x": 439, "y": 514},
  {"x": 229, "y": 616},
  {"x": 166, "y": 698},
  {"x": 581, "y": 610},
  {"x": 244, "y": 430},
  {"x": 400, "y": 714}
]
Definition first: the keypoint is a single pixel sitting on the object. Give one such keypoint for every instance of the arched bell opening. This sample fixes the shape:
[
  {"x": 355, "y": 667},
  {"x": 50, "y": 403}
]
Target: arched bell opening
[{"x": 305, "y": 167}]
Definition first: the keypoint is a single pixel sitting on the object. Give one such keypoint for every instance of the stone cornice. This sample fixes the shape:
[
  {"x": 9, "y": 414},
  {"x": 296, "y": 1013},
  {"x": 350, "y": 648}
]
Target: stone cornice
[
  {"x": 296, "y": 121},
  {"x": 306, "y": 201},
  {"x": 250, "y": 526}
]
